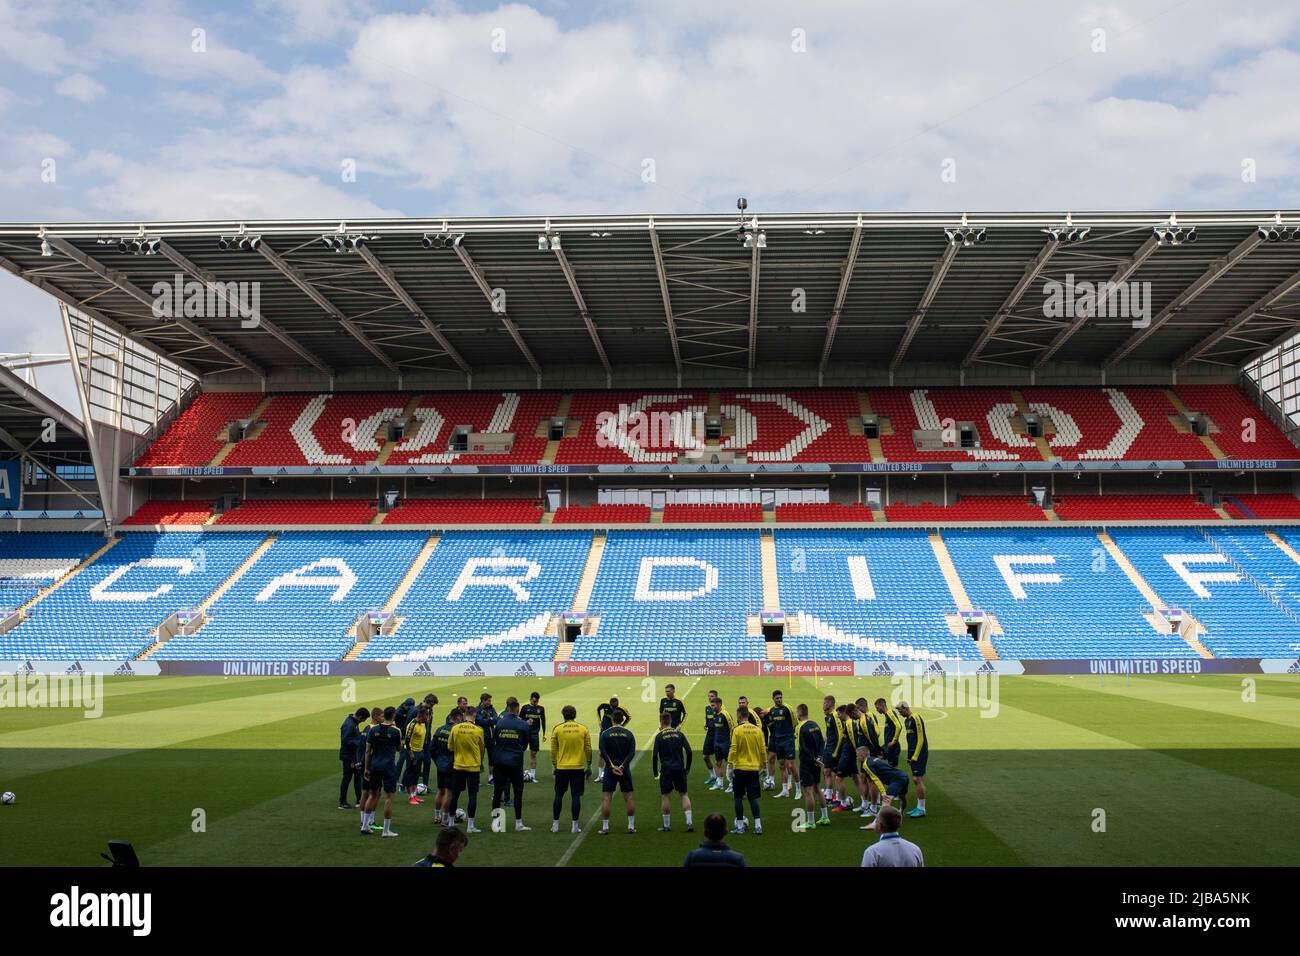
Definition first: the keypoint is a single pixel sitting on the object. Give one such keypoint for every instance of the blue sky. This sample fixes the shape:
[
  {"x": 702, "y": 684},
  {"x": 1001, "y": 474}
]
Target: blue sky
[{"x": 486, "y": 108}]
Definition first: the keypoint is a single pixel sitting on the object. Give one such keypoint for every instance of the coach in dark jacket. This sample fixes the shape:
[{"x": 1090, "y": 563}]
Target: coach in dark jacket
[
  {"x": 349, "y": 739},
  {"x": 713, "y": 852}
]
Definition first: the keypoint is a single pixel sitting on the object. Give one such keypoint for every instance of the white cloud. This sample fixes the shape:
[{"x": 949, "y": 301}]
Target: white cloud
[{"x": 81, "y": 87}]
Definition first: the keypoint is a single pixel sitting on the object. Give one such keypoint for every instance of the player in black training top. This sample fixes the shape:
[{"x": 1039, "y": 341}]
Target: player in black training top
[
  {"x": 780, "y": 742},
  {"x": 511, "y": 733},
  {"x": 535, "y": 714},
  {"x": 382, "y": 744},
  {"x": 672, "y": 706},
  {"x": 671, "y": 762},
  {"x": 617, "y": 750},
  {"x": 605, "y": 715}
]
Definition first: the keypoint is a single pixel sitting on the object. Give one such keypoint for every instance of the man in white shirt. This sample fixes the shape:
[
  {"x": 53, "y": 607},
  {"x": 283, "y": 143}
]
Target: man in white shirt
[{"x": 891, "y": 849}]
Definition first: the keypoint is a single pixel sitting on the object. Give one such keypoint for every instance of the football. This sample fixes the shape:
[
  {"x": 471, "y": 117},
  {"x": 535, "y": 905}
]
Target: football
[
  {"x": 421, "y": 789},
  {"x": 8, "y": 797}
]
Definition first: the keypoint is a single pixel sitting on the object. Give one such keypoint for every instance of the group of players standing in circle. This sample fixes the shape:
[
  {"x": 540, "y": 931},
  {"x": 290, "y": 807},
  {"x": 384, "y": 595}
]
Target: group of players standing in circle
[{"x": 859, "y": 749}]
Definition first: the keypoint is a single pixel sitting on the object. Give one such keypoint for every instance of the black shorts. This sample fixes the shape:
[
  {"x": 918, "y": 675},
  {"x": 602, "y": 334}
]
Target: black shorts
[
  {"x": 784, "y": 749},
  {"x": 446, "y": 779},
  {"x": 670, "y": 780},
  {"x": 745, "y": 783},
  {"x": 612, "y": 781},
  {"x": 381, "y": 779},
  {"x": 848, "y": 765},
  {"x": 462, "y": 780},
  {"x": 892, "y": 754},
  {"x": 918, "y": 766},
  {"x": 574, "y": 780},
  {"x": 809, "y": 774},
  {"x": 534, "y": 743},
  {"x": 504, "y": 777},
  {"x": 721, "y": 749},
  {"x": 707, "y": 750}
]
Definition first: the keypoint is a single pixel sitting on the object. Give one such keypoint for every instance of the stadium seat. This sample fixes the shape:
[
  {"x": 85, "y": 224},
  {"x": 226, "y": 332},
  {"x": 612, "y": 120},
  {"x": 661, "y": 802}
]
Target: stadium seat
[{"x": 1133, "y": 508}]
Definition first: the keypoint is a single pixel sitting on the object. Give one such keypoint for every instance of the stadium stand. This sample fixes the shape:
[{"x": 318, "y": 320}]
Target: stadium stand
[
  {"x": 811, "y": 425},
  {"x": 829, "y": 512},
  {"x": 865, "y": 595},
  {"x": 301, "y": 597},
  {"x": 439, "y": 511},
  {"x": 720, "y": 513},
  {"x": 1056, "y": 594},
  {"x": 299, "y": 511},
  {"x": 603, "y": 514},
  {"x": 1263, "y": 506},
  {"x": 1132, "y": 508},
  {"x": 164, "y": 512},
  {"x": 970, "y": 508},
  {"x": 1244, "y": 430},
  {"x": 675, "y": 595},
  {"x": 194, "y": 438},
  {"x": 34, "y": 560},
  {"x": 487, "y": 596},
  {"x": 1225, "y": 580},
  {"x": 109, "y": 610}
]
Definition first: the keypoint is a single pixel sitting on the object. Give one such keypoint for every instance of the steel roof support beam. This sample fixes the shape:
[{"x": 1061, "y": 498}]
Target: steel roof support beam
[
  {"x": 1032, "y": 271},
  {"x": 841, "y": 294},
  {"x": 662, "y": 270},
  {"x": 104, "y": 479},
  {"x": 1240, "y": 320},
  {"x": 304, "y": 285},
  {"x": 389, "y": 279},
  {"x": 259, "y": 321},
  {"x": 147, "y": 300},
  {"x": 39, "y": 401},
  {"x": 477, "y": 275},
  {"x": 931, "y": 290},
  {"x": 582, "y": 309},
  {"x": 754, "y": 263},
  {"x": 1216, "y": 270},
  {"x": 1121, "y": 275}
]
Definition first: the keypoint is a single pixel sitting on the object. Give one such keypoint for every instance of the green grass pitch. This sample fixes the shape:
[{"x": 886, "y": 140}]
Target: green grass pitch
[{"x": 1187, "y": 770}]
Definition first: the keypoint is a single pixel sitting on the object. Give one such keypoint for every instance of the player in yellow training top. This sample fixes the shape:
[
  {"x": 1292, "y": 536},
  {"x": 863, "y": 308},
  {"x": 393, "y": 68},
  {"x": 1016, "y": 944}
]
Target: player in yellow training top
[
  {"x": 571, "y": 764},
  {"x": 747, "y": 757},
  {"x": 467, "y": 746}
]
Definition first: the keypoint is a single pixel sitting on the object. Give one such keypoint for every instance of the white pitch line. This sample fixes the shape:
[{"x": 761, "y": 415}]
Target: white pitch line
[{"x": 591, "y": 822}]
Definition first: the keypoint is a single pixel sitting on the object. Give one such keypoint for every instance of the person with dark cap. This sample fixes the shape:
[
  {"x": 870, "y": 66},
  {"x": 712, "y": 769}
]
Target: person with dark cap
[
  {"x": 713, "y": 852},
  {"x": 447, "y": 848},
  {"x": 349, "y": 739}
]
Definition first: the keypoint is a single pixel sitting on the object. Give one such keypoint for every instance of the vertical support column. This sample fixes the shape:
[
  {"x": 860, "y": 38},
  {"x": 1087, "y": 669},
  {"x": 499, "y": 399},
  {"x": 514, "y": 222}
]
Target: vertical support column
[{"x": 103, "y": 481}]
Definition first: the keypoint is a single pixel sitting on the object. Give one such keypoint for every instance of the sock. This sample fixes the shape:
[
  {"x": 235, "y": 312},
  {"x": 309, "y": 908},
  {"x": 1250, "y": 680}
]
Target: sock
[
  {"x": 667, "y": 817},
  {"x": 604, "y": 826},
  {"x": 826, "y": 814},
  {"x": 758, "y": 824},
  {"x": 363, "y": 819},
  {"x": 388, "y": 825},
  {"x": 688, "y": 818},
  {"x": 470, "y": 823},
  {"x": 631, "y": 823},
  {"x": 575, "y": 827},
  {"x": 808, "y": 818},
  {"x": 920, "y": 804}
]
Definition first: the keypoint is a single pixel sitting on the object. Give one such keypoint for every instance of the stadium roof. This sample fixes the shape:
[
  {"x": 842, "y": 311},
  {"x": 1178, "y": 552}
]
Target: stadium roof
[{"x": 885, "y": 290}]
